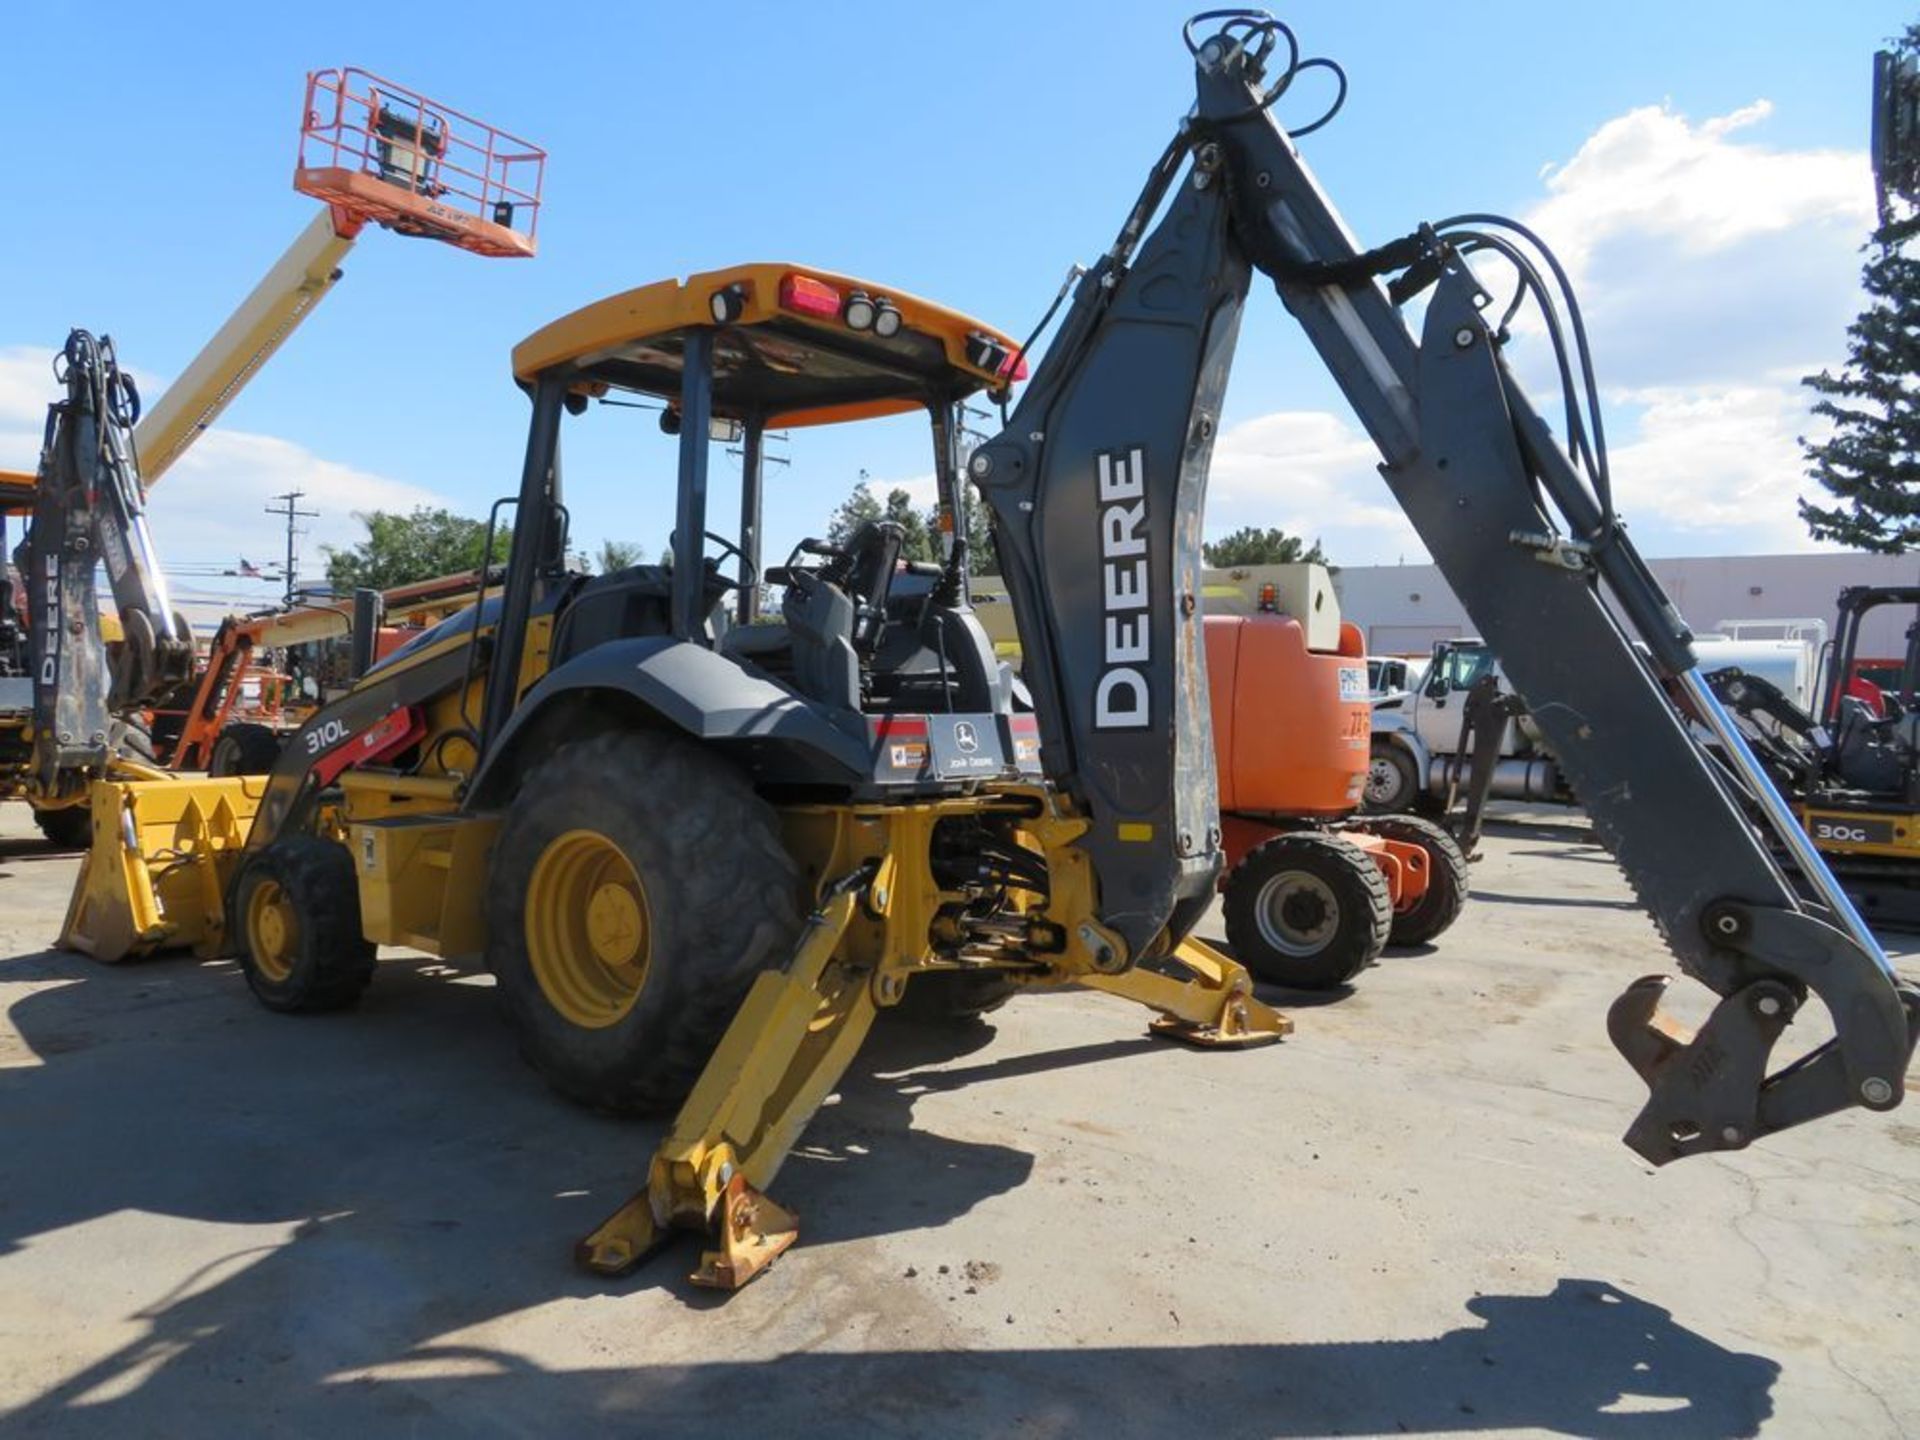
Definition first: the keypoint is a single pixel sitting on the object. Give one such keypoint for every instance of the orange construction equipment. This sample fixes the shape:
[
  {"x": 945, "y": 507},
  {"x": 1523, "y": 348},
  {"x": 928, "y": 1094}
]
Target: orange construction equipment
[
  {"x": 374, "y": 150},
  {"x": 1312, "y": 895}
]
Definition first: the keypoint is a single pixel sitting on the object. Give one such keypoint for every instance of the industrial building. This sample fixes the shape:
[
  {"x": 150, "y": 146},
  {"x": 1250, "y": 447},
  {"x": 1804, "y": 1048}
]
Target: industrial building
[{"x": 1404, "y": 609}]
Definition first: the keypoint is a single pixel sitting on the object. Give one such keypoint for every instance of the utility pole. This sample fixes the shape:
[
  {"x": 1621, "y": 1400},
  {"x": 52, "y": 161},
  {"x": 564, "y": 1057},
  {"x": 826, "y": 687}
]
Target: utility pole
[{"x": 287, "y": 509}]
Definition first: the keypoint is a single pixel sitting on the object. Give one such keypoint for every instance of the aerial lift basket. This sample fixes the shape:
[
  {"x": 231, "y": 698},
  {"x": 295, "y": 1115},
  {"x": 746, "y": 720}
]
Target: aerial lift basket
[{"x": 373, "y": 150}]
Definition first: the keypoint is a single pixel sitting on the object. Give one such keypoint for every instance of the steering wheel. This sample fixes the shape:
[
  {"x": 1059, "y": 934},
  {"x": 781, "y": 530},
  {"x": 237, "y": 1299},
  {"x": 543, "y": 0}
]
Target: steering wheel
[{"x": 749, "y": 575}]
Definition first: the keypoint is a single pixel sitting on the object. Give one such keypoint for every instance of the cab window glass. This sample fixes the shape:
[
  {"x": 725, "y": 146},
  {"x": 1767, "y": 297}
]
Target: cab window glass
[{"x": 1463, "y": 667}]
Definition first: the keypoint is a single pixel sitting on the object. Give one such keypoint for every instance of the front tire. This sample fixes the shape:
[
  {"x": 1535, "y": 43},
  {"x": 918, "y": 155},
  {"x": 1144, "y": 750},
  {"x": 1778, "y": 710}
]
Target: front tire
[
  {"x": 296, "y": 918},
  {"x": 1307, "y": 910},
  {"x": 244, "y": 749},
  {"x": 637, "y": 889}
]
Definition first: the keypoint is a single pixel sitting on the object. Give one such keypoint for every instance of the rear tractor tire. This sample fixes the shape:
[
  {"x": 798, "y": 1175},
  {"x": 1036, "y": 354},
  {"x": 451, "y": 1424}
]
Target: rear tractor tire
[
  {"x": 1447, "y": 882},
  {"x": 244, "y": 749},
  {"x": 1308, "y": 910},
  {"x": 296, "y": 916},
  {"x": 638, "y": 887}
]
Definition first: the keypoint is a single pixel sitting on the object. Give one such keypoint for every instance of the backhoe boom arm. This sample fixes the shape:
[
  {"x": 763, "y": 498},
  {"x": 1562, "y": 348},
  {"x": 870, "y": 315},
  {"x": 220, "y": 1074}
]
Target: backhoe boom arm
[
  {"x": 1096, "y": 487},
  {"x": 89, "y": 512}
]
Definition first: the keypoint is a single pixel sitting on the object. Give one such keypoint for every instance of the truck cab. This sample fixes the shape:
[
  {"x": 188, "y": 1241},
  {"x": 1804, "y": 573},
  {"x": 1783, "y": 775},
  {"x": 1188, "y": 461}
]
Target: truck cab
[{"x": 1416, "y": 755}]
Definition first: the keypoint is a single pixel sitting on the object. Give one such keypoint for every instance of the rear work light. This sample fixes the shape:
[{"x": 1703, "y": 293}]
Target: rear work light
[
  {"x": 808, "y": 296},
  {"x": 886, "y": 319},
  {"x": 729, "y": 304},
  {"x": 859, "y": 311}
]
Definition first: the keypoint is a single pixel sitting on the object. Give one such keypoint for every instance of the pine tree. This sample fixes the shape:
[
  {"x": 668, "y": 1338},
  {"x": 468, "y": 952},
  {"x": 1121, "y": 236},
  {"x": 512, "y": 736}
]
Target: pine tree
[
  {"x": 851, "y": 513},
  {"x": 1252, "y": 546},
  {"x": 1870, "y": 462}
]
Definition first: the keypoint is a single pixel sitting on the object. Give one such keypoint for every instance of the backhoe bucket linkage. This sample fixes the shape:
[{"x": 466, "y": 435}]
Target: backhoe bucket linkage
[
  {"x": 792, "y": 1040},
  {"x": 1710, "y": 1089}
]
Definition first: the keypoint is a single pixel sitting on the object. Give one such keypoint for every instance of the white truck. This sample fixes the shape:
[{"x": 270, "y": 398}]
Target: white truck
[{"x": 1416, "y": 735}]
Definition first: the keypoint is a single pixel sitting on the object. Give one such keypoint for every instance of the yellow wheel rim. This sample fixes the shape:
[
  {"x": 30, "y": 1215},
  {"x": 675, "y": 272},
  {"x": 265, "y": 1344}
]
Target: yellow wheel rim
[
  {"x": 273, "y": 930},
  {"x": 589, "y": 931}
]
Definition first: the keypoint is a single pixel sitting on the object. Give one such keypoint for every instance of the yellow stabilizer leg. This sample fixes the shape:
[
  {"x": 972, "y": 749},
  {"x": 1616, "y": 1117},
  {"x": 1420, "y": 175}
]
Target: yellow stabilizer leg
[
  {"x": 786, "y": 1049},
  {"x": 1215, "y": 1008}
]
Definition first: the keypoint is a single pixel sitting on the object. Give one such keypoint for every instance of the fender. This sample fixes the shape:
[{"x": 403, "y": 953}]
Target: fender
[{"x": 695, "y": 690}]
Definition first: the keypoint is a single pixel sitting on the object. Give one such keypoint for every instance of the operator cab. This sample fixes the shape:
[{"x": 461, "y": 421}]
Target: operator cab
[{"x": 887, "y": 649}]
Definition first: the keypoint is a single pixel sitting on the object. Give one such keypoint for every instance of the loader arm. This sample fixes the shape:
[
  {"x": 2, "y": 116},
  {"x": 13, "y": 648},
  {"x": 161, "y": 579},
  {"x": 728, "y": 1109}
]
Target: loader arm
[
  {"x": 89, "y": 510},
  {"x": 1096, "y": 487}
]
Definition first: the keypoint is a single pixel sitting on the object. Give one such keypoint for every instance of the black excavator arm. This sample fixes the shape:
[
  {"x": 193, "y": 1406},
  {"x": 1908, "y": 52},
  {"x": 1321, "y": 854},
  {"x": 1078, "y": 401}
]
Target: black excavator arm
[
  {"x": 89, "y": 511},
  {"x": 1096, "y": 487}
]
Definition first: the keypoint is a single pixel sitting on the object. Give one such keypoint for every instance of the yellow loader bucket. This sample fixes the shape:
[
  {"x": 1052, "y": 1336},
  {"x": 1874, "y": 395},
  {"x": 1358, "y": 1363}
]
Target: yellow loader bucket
[{"x": 156, "y": 875}]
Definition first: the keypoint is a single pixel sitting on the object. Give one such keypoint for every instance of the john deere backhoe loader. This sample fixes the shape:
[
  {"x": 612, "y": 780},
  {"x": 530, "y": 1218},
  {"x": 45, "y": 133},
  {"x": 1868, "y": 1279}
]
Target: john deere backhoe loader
[
  {"x": 690, "y": 848},
  {"x": 70, "y": 705}
]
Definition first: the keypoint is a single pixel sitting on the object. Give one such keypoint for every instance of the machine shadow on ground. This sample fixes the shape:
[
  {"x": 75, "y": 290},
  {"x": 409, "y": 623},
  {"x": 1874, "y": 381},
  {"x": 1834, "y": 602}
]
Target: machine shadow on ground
[
  {"x": 1585, "y": 1359},
  {"x": 1531, "y": 827},
  {"x": 16, "y": 850},
  {"x": 405, "y": 1139},
  {"x": 414, "y": 1217},
  {"x": 1565, "y": 902}
]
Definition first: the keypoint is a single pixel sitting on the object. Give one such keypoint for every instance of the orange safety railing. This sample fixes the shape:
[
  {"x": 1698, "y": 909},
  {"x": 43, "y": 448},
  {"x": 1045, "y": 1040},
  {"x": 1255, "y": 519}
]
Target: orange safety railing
[{"x": 373, "y": 150}]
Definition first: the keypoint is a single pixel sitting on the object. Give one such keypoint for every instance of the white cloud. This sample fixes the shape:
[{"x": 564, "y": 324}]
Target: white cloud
[
  {"x": 1311, "y": 473},
  {"x": 26, "y": 385},
  {"x": 210, "y": 507},
  {"x": 1710, "y": 266},
  {"x": 923, "y": 490},
  {"x": 1651, "y": 172},
  {"x": 212, "y": 503},
  {"x": 1716, "y": 461}
]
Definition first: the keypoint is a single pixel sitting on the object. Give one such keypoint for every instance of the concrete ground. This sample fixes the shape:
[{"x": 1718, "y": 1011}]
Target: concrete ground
[{"x": 1413, "y": 1216}]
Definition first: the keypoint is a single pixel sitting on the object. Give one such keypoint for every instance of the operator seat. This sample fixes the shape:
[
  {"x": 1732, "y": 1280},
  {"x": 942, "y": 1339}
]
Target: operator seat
[
  {"x": 834, "y": 617},
  {"x": 627, "y": 603}
]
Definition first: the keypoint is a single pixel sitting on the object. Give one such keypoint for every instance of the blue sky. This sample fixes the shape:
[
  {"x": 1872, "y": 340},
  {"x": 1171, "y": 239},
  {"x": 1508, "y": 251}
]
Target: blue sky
[{"x": 1703, "y": 167}]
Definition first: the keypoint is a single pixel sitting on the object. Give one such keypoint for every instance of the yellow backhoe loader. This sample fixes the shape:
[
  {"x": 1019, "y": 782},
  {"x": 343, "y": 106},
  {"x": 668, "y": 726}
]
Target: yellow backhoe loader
[{"x": 699, "y": 854}]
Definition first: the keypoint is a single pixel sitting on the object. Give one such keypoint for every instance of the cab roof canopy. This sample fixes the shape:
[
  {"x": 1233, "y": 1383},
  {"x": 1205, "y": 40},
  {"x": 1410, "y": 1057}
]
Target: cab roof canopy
[
  {"x": 16, "y": 495},
  {"x": 792, "y": 346}
]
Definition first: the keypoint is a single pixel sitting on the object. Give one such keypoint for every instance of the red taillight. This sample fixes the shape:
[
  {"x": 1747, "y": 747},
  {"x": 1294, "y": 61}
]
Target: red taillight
[
  {"x": 1014, "y": 367},
  {"x": 898, "y": 727},
  {"x": 809, "y": 296}
]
